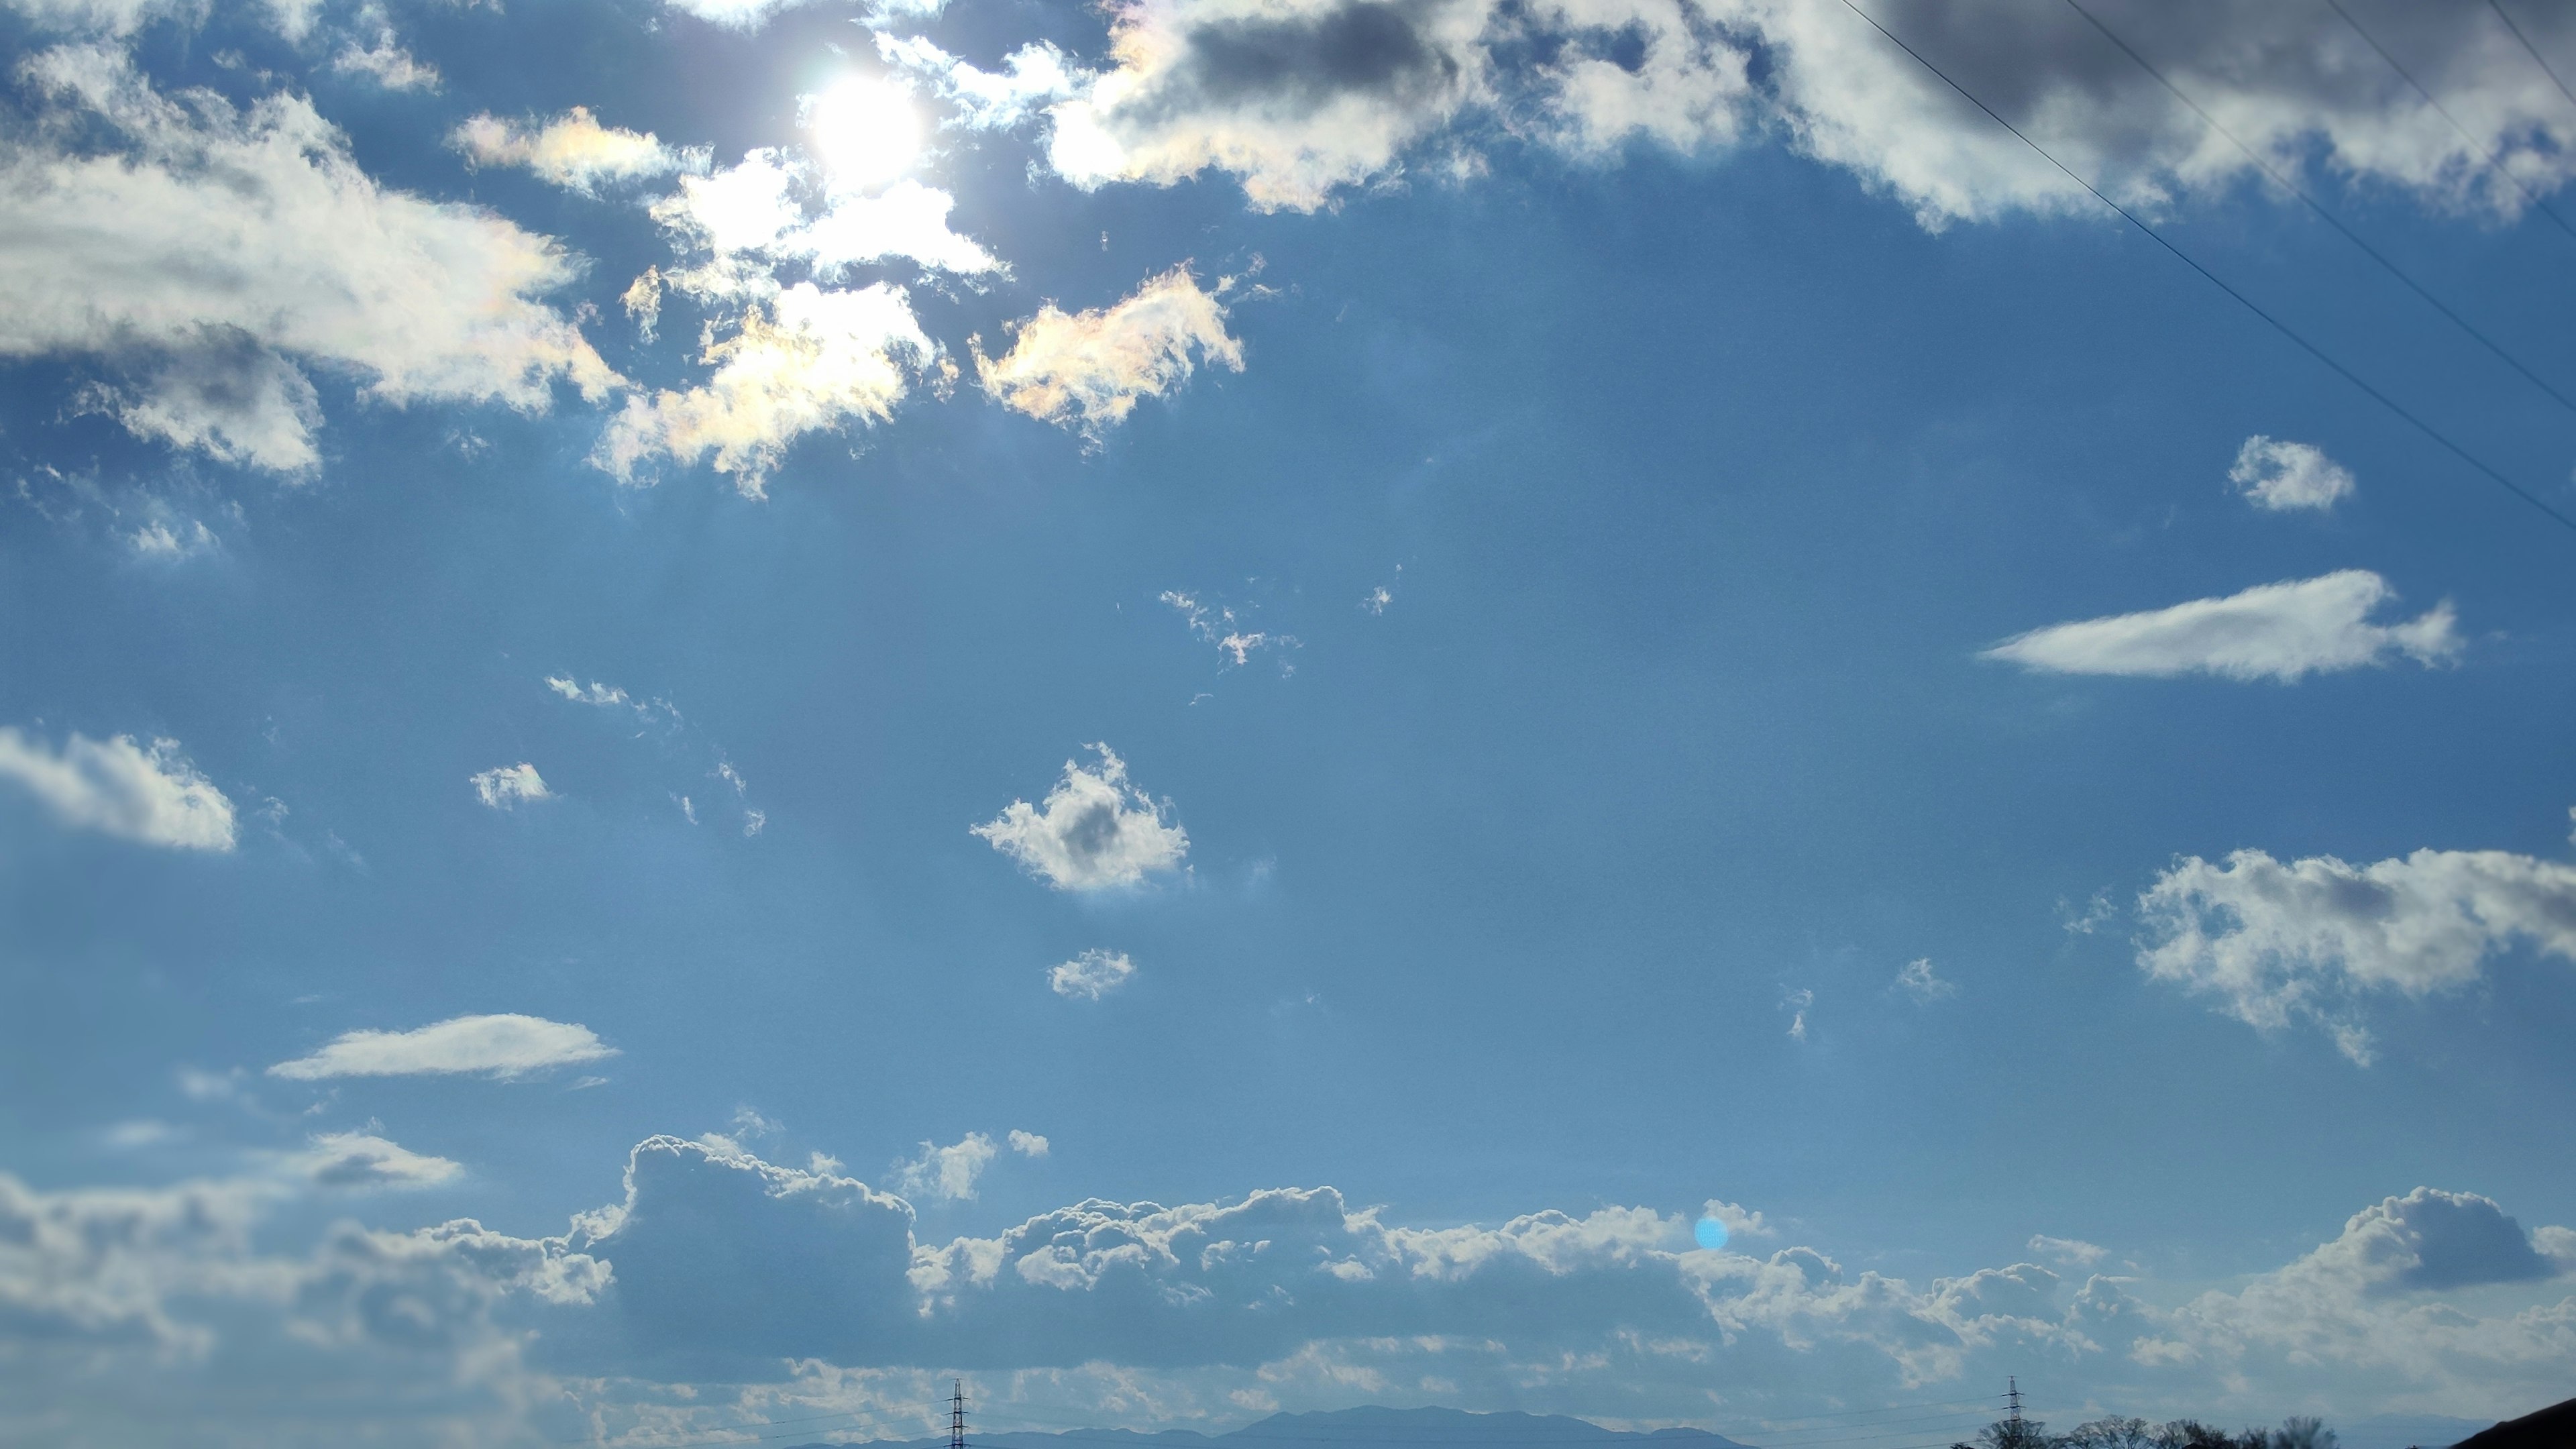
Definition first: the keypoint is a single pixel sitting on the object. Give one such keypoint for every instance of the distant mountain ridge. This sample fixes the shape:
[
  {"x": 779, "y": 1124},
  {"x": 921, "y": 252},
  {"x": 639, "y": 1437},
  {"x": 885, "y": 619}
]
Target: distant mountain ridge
[{"x": 1362, "y": 1428}]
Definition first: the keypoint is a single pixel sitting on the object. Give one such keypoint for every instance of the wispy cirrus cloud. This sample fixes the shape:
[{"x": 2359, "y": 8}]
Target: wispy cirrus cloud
[
  {"x": 504, "y": 1047},
  {"x": 2284, "y": 632},
  {"x": 149, "y": 794}
]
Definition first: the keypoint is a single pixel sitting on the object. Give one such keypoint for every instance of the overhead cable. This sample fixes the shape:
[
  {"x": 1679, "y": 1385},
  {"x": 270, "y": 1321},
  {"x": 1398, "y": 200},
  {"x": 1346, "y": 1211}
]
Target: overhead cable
[
  {"x": 2329, "y": 218},
  {"x": 2444, "y": 111},
  {"x": 2346, "y": 373}
]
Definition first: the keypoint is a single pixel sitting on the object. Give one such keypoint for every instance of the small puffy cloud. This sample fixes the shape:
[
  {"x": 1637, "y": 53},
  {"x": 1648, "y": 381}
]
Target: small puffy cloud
[
  {"x": 503, "y": 787},
  {"x": 2282, "y": 631},
  {"x": 1028, "y": 1144},
  {"x": 1918, "y": 980},
  {"x": 573, "y": 150},
  {"x": 503, "y": 1047},
  {"x": 1797, "y": 1003},
  {"x": 2280, "y": 476},
  {"x": 1094, "y": 830},
  {"x": 948, "y": 1173},
  {"x": 606, "y": 696},
  {"x": 1091, "y": 975},
  {"x": 2277, "y": 942},
  {"x": 812, "y": 361},
  {"x": 198, "y": 247},
  {"x": 362, "y": 1159},
  {"x": 1086, "y": 370},
  {"x": 2074, "y": 1252},
  {"x": 149, "y": 794}
]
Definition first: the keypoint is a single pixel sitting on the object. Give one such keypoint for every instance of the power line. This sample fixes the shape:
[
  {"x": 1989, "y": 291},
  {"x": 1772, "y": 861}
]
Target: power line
[
  {"x": 2348, "y": 375},
  {"x": 2474, "y": 143},
  {"x": 2328, "y": 217},
  {"x": 2533, "y": 51}
]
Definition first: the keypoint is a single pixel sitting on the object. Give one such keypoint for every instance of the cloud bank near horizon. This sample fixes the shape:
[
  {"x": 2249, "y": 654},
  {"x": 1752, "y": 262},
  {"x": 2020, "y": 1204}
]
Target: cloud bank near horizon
[{"x": 719, "y": 1268}]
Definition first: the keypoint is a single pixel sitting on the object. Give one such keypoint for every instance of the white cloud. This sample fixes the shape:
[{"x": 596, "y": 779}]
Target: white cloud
[
  {"x": 2279, "y": 476},
  {"x": 812, "y": 361},
  {"x": 208, "y": 244},
  {"x": 1028, "y": 1144},
  {"x": 1739, "y": 1221},
  {"x": 503, "y": 1047},
  {"x": 2308, "y": 939},
  {"x": 1797, "y": 1003},
  {"x": 117, "y": 18},
  {"x": 1091, "y": 975},
  {"x": 363, "y": 1159},
  {"x": 573, "y": 150},
  {"x": 387, "y": 64},
  {"x": 1218, "y": 627},
  {"x": 947, "y": 1173},
  {"x": 771, "y": 208},
  {"x": 1918, "y": 980},
  {"x": 2282, "y": 631},
  {"x": 1032, "y": 78},
  {"x": 1087, "y": 369},
  {"x": 1094, "y": 830},
  {"x": 2074, "y": 1252},
  {"x": 121, "y": 1309},
  {"x": 1298, "y": 98},
  {"x": 606, "y": 696},
  {"x": 503, "y": 787},
  {"x": 117, "y": 787},
  {"x": 1304, "y": 100}
]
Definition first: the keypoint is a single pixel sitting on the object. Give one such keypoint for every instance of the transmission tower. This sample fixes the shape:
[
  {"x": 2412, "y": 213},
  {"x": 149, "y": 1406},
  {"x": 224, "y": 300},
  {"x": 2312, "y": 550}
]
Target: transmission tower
[
  {"x": 957, "y": 1416},
  {"x": 2012, "y": 1398}
]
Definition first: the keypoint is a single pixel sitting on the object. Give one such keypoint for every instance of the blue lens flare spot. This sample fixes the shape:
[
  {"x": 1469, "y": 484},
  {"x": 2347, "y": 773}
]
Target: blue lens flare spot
[{"x": 1711, "y": 1233}]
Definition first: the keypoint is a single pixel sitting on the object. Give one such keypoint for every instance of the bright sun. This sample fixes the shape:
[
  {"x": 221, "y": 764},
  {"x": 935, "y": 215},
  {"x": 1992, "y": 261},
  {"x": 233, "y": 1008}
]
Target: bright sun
[{"x": 865, "y": 130}]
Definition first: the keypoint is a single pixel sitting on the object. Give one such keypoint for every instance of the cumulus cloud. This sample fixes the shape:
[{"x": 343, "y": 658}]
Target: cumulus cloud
[
  {"x": 504, "y": 1047},
  {"x": 1086, "y": 370},
  {"x": 504, "y": 787},
  {"x": 788, "y": 1283},
  {"x": 1918, "y": 980},
  {"x": 1094, "y": 830},
  {"x": 1297, "y": 99},
  {"x": 1028, "y": 1144},
  {"x": 809, "y": 361},
  {"x": 1304, "y": 100},
  {"x": 573, "y": 150},
  {"x": 2284, "y": 631},
  {"x": 1091, "y": 975},
  {"x": 947, "y": 1173},
  {"x": 1031, "y": 78},
  {"x": 2279, "y": 476},
  {"x": 1797, "y": 1003},
  {"x": 2309, "y": 939},
  {"x": 204, "y": 245},
  {"x": 149, "y": 794}
]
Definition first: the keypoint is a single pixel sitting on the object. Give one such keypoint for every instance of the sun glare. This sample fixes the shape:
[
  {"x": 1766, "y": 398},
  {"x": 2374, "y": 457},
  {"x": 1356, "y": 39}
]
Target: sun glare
[{"x": 865, "y": 130}]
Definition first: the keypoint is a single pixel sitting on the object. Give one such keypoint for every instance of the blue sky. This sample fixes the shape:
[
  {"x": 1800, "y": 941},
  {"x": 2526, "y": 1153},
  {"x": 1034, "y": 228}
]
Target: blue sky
[{"x": 1237, "y": 697}]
